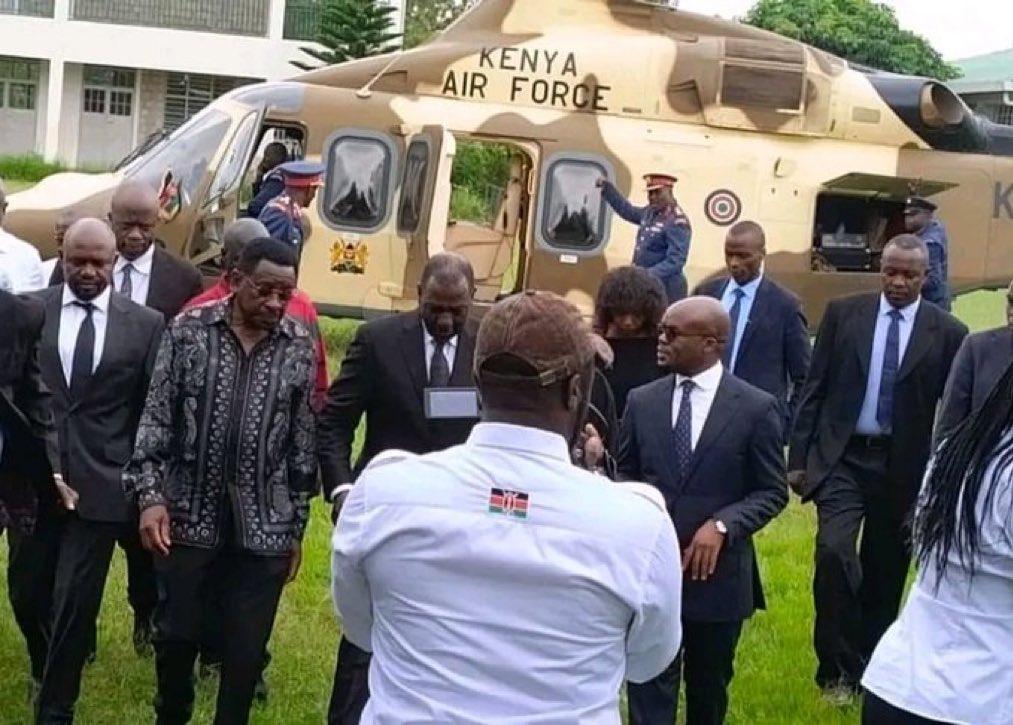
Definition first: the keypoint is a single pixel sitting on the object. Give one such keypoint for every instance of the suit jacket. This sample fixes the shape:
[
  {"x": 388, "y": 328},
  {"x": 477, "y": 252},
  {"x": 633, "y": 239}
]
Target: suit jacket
[
  {"x": 775, "y": 351},
  {"x": 173, "y": 282},
  {"x": 30, "y": 452},
  {"x": 835, "y": 389},
  {"x": 97, "y": 432},
  {"x": 736, "y": 475},
  {"x": 981, "y": 360},
  {"x": 383, "y": 375}
]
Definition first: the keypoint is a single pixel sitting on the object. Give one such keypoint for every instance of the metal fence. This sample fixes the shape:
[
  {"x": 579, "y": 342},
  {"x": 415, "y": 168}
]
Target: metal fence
[
  {"x": 301, "y": 19},
  {"x": 234, "y": 17},
  {"x": 33, "y": 8}
]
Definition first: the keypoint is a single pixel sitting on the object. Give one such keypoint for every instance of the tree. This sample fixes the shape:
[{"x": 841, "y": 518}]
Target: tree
[
  {"x": 860, "y": 31},
  {"x": 350, "y": 29},
  {"x": 423, "y": 18}
]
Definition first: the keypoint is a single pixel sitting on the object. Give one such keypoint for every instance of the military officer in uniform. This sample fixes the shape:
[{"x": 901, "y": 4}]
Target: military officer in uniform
[
  {"x": 920, "y": 221},
  {"x": 664, "y": 235},
  {"x": 283, "y": 215}
]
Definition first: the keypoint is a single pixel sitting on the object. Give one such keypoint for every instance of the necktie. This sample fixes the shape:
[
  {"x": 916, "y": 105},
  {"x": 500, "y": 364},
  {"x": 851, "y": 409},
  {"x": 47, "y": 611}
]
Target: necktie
[
  {"x": 439, "y": 371},
  {"x": 734, "y": 314},
  {"x": 891, "y": 361},
  {"x": 682, "y": 433},
  {"x": 127, "y": 285},
  {"x": 84, "y": 352}
]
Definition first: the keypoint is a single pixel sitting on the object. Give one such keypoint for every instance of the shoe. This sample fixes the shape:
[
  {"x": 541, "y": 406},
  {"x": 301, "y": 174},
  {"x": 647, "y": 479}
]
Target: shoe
[
  {"x": 840, "y": 694},
  {"x": 207, "y": 670},
  {"x": 260, "y": 691},
  {"x": 34, "y": 688},
  {"x": 142, "y": 637}
]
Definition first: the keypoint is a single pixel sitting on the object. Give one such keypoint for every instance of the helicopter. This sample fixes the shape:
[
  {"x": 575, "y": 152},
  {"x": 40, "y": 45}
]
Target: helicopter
[{"x": 822, "y": 153}]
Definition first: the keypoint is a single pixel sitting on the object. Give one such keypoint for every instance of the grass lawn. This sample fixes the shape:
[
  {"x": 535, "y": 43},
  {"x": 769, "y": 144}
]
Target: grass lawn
[
  {"x": 13, "y": 185},
  {"x": 775, "y": 663}
]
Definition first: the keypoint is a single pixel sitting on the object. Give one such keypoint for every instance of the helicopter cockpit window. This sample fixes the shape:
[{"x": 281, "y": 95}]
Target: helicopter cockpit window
[
  {"x": 231, "y": 169},
  {"x": 357, "y": 184},
  {"x": 184, "y": 157},
  {"x": 572, "y": 213},
  {"x": 413, "y": 188}
]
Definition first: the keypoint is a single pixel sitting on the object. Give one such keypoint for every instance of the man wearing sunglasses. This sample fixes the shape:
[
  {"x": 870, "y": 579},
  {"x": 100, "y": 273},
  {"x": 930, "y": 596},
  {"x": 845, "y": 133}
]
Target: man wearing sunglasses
[{"x": 981, "y": 360}]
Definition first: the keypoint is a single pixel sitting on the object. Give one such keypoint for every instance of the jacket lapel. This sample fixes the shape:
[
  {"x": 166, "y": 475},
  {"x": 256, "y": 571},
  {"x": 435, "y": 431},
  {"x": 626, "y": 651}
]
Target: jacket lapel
[
  {"x": 155, "y": 279},
  {"x": 116, "y": 333},
  {"x": 756, "y": 313},
  {"x": 50, "y": 353},
  {"x": 658, "y": 417},
  {"x": 721, "y": 414},
  {"x": 461, "y": 376},
  {"x": 414, "y": 351},
  {"x": 921, "y": 340},
  {"x": 865, "y": 324}
]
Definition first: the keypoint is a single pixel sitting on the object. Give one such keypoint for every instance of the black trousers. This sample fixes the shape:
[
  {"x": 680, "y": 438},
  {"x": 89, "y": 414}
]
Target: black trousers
[
  {"x": 351, "y": 685},
  {"x": 31, "y": 572},
  {"x": 251, "y": 590},
  {"x": 857, "y": 590},
  {"x": 142, "y": 592},
  {"x": 706, "y": 662},
  {"x": 876, "y": 711},
  {"x": 212, "y": 645},
  {"x": 85, "y": 551}
]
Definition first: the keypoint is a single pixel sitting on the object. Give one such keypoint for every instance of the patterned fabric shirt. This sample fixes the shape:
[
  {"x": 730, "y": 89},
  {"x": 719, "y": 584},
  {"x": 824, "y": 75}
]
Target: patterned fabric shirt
[{"x": 223, "y": 428}]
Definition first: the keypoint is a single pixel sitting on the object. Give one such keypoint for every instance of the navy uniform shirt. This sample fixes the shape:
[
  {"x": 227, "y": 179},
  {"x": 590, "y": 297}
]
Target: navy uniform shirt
[
  {"x": 272, "y": 185},
  {"x": 283, "y": 219},
  {"x": 662, "y": 240},
  {"x": 937, "y": 283}
]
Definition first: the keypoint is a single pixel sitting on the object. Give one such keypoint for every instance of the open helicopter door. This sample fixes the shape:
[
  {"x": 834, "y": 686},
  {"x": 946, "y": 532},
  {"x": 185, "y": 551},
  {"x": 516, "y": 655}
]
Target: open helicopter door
[{"x": 425, "y": 190}]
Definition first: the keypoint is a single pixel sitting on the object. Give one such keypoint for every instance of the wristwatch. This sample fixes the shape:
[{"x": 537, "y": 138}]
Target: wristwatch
[{"x": 720, "y": 526}]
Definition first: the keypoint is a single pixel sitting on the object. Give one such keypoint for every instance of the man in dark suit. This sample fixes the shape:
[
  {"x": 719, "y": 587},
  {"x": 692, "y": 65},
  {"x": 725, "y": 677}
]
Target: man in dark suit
[
  {"x": 861, "y": 441},
  {"x": 98, "y": 350},
  {"x": 31, "y": 488},
  {"x": 385, "y": 375},
  {"x": 150, "y": 276},
  {"x": 712, "y": 444},
  {"x": 981, "y": 360},
  {"x": 769, "y": 345}
]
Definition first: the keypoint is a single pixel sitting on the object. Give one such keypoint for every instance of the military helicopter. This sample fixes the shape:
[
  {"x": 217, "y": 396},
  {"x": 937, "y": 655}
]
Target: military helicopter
[{"x": 755, "y": 126}]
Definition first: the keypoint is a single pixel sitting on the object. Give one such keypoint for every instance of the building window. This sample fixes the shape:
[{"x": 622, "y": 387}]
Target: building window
[
  {"x": 109, "y": 77},
  {"x": 357, "y": 184},
  {"x": 188, "y": 93},
  {"x": 21, "y": 96},
  {"x": 121, "y": 103},
  {"x": 572, "y": 215},
  {"x": 94, "y": 100},
  {"x": 413, "y": 187},
  {"x": 3, "y": 94}
]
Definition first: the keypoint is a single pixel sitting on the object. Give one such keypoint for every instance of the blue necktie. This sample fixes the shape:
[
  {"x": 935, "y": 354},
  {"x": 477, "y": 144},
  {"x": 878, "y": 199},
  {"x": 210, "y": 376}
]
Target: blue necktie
[
  {"x": 891, "y": 361},
  {"x": 734, "y": 314},
  {"x": 682, "y": 433}
]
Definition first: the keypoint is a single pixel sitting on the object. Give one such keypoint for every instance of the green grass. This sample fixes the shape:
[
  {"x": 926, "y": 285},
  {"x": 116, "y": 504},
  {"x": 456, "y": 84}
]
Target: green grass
[{"x": 774, "y": 666}]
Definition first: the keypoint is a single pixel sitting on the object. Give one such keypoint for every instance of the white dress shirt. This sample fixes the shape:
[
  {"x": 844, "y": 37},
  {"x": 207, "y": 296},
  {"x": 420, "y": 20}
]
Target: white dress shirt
[
  {"x": 474, "y": 615},
  {"x": 749, "y": 290},
  {"x": 449, "y": 351},
  {"x": 949, "y": 655},
  {"x": 71, "y": 317},
  {"x": 22, "y": 264},
  {"x": 867, "y": 423},
  {"x": 140, "y": 275},
  {"x": 700, "y": 399}
]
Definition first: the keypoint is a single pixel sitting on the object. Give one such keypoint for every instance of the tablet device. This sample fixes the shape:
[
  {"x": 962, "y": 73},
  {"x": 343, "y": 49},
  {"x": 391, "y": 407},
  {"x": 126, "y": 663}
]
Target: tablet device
[{"x": 451, "y": 403}]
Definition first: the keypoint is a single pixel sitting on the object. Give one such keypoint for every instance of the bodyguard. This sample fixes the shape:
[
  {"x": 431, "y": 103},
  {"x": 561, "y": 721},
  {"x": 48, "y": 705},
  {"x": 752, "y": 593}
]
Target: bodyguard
[
  {"x": 919, "y": 220},
  {"x": 282, "y": 215},
  {"x": 664, "y": 234}
]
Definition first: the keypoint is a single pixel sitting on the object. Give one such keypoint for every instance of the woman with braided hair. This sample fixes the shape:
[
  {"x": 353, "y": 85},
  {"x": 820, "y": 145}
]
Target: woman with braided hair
[{"x": 949, "y": 656}]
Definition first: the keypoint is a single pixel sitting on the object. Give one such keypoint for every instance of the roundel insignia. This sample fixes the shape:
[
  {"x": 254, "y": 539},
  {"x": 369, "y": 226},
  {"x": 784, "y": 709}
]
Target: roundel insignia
[{"x": 722, "y": 207}]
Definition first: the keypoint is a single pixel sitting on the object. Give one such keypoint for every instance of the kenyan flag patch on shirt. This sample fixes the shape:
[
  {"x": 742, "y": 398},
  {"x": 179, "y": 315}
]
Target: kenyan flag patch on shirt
[{"x": 509, "y": 503}]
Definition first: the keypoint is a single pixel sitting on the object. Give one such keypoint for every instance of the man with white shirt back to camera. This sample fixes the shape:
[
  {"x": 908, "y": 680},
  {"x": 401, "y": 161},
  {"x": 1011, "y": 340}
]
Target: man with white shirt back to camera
[
  {"x": 513, "y": 584},
  {"x": 20, "y": 262}
]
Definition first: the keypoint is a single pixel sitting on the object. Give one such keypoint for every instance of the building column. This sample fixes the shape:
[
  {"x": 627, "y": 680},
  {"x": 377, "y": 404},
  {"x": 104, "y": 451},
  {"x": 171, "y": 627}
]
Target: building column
[
  {"x": 54, "y": 110},
  {"x": 61, "y": 10},
  {"x": 276, "y": 20}
]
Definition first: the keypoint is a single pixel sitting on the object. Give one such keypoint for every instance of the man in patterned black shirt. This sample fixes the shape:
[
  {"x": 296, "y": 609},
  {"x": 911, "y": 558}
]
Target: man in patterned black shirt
[{"x": 223, "y": 472}]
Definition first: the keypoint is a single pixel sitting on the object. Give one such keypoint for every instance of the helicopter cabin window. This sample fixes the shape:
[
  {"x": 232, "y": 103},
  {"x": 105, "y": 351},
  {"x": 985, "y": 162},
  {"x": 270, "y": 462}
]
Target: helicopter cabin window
[
  {"x": 572, "y": 215},
  {"x": 357, "y": 184},
  {"x": 413, "y": 192},
  {"x": 850, "y": 231}
]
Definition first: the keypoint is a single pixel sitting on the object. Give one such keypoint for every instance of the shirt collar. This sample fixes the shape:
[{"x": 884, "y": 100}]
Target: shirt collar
[
  {"x": 142, "y": 264},
  {"x": 217, "y": 313},
  {"x": 430, "y": 340},
  {"x": 520, "y": 438},
  {"x": 749, "y": 288},
  {"x": 101, "y": 302},
  {"x": 708, "y": 380},
  {"x": 907, "y": 313}
]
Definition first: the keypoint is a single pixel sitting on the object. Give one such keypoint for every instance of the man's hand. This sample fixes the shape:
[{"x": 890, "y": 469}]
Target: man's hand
[
  {"x": 296, "y": 562},
  {"x": 796, "y": 479},
  {"x": 601, "y": 181},
  {"x": 68, "y": 496},
  {"x": 155, "y": 530},
  {"x": 701, "y": 558},
  {"x": 338, "y": 500},
  {"x": 594, "y": 448}
]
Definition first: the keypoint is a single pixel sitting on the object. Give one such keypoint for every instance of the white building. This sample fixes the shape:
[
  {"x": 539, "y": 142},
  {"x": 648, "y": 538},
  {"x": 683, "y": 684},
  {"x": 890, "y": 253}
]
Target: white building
[{"x": 85, "y": 81}]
